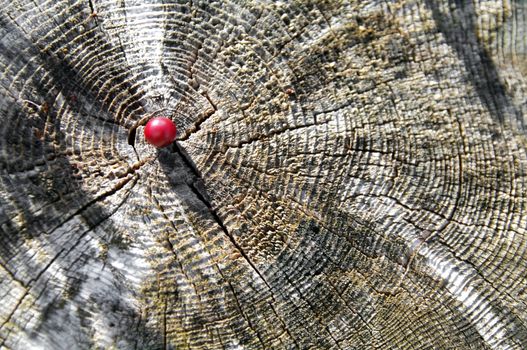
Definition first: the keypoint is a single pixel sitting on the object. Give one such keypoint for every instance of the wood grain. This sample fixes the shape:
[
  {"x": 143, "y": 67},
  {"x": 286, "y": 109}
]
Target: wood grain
[{"x": 347, "y": 175}]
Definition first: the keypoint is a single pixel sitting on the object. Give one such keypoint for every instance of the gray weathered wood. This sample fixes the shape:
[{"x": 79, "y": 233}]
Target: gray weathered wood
[{"x": 348, "y": 175}]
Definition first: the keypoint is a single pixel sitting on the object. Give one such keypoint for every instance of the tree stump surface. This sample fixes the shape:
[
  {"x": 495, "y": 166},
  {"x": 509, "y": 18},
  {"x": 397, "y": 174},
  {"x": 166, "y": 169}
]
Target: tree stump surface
[{"x": 347, "y": 175}]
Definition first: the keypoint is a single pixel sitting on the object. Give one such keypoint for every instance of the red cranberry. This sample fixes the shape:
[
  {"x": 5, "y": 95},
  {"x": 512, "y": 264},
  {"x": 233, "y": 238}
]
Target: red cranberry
[{"x": 160, "y": 131}]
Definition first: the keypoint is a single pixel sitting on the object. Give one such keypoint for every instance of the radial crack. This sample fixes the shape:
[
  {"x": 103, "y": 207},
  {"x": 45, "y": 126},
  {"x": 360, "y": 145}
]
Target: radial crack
[
  {"x": 197, "y": 125},
  {"x": 202, "y": 196}
]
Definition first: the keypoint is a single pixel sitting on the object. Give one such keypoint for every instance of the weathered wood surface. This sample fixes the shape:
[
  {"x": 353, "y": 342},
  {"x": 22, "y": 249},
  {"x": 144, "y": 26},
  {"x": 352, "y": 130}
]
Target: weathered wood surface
[{"x": 347, "y": 176}]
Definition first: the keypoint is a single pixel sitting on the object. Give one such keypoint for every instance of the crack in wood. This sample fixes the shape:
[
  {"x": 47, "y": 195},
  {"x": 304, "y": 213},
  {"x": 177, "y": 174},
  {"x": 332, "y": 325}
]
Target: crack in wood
[
  {"x": 197, "y": 125},
  {"x": 97, "y": 199},
  {"x": 208, "y": 204},
  {"x": 223, "y": 227},
  {"x": 165, "y": 342},
  {"x": 33, "y": 280},
  {"x": 240, "y": 310},
  {"x": 271, "y": 134},
  {"x": 92, "y": 8},
  {"x": 354, "y": 55}
]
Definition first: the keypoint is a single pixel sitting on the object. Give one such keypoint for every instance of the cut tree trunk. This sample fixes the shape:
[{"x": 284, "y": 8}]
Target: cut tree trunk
[{"x": 347, "y": 175}]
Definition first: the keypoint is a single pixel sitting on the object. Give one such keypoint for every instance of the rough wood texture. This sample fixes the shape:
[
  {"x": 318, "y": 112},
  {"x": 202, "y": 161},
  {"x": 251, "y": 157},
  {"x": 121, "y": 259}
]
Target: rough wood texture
[{"x": 347, "y": 175}]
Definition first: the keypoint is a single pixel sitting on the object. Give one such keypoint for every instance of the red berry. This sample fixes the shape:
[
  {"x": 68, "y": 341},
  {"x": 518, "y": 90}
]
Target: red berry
[{"x": 160, "y": 131}]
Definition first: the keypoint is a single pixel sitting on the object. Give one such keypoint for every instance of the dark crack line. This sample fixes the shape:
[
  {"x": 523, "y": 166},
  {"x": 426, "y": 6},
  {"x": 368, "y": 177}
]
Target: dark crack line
[
  {"x": 39, "y": 275},
  {"x": 90, "y": 228},
  {"x": 93, "y": 13},
  {"x": 132, "y": 132},
  {"x": 239, "y": 307},
  {"x": 11, "y": 274},
  {"x": 165, "y": 323},
  {"x": 176, "y": 148},
  {"x": 97, "y": 199},
  {"x": 221, "y": 224},
  {"x": 356, "y": 248},
  {"x": 91, "y": 6},
  {"x": 177, "y": 260},
  {"x": 202, "y": 197},
  {"x": 311, "y": 308},
  {"x": 197, "y": 125},
  {"x": 265, "y": 137},
  {"x": 76, "y": 213}
]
